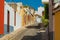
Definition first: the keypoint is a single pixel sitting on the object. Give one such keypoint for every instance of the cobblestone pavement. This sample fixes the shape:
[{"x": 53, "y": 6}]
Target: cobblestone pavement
[{"x": 31, "y": 34}]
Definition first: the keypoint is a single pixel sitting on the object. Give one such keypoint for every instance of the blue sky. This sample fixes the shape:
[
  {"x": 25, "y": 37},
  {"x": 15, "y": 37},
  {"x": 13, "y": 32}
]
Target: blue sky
[{"x": 33, "y": 3}]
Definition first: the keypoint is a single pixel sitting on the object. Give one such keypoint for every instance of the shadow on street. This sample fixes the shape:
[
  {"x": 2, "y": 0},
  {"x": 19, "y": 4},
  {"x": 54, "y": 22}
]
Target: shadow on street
[
  {"x": 36, "y": 37},
  {"x": 36, "y": 27}
]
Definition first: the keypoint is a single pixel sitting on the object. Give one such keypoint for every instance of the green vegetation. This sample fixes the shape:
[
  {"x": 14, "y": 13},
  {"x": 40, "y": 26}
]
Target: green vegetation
[
  {"x": 45, "y": 21},
  {"x": 45, "y": 17},
  {"x": 46, "y": 11}
]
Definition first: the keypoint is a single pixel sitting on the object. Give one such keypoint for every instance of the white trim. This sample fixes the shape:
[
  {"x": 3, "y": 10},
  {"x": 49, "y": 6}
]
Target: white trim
[{"x": 56, "y": 5}]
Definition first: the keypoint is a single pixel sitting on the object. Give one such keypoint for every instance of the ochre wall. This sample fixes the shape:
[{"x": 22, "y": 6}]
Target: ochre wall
[
  {"x": 57, "y": 26},
  {"x": 26, "y": 18}
]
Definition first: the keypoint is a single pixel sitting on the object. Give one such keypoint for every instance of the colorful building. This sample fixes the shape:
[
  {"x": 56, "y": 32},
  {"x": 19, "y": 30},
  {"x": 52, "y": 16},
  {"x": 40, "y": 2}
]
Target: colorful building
[{"x": 27, "y": 15}]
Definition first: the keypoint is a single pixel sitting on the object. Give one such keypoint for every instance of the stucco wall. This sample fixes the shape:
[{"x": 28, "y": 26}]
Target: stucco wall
[
  {"x": 18, "y": 19},
  {"x": 57, "y": 25},
  {"x": 6, "y": 8}
]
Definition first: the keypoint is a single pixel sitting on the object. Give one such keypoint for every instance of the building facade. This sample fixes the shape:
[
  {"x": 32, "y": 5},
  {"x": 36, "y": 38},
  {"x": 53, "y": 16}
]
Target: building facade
[
  {"x": 27, "y": 15},
  {"x": 12, "y": 19}
]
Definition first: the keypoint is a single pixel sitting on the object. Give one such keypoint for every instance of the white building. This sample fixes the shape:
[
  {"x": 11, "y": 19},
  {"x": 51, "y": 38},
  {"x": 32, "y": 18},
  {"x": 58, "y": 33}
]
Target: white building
[
  {"x": 12, "y": 27},
  {"x": 18, "y": 7},
  {"x": 39, "y": 12}
]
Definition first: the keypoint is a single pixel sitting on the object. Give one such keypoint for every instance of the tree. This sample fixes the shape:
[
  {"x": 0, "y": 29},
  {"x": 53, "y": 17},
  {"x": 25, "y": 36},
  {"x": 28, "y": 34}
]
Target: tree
[{"x": 46, "y": 11}]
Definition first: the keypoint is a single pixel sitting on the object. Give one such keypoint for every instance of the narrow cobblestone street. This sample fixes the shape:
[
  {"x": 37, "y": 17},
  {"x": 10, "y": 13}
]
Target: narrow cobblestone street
[{"x": 31, "y": 34}]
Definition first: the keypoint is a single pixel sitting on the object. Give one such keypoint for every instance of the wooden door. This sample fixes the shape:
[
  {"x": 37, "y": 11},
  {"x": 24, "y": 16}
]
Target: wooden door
[{"x": 8, "y": 18}]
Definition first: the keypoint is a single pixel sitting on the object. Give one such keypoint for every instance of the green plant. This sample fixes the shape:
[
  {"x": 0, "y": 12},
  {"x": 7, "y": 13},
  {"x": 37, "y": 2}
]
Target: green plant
[
  {"x": 45, "y": 21},
  {"x": 46, "y": 11}
]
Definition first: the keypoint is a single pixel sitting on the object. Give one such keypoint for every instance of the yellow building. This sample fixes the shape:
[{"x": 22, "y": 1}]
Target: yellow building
[
  {"x": 56, "y": 22},
  {"x": 27, "y": 16},
  {"x": 23, "y": 14}
]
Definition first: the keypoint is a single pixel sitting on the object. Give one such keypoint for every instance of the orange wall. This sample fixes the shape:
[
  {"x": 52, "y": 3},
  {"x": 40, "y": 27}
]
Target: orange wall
[
  {"x": 57, "y": 26},
  {"x": 1, "y": 16}
]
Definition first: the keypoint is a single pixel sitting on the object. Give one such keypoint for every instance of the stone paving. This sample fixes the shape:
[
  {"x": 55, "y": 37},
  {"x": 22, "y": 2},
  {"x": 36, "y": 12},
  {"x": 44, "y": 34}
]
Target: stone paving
[
  {"x": 28, "y": 33},
  {"x": 31, "y": 34}
]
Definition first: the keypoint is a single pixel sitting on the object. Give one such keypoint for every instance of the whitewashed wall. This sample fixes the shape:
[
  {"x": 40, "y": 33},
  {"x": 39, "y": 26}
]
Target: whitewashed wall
[
  {"x": 11, "y": 10},
  {"x": 39, "y": 12},
  {"x": 18, "y": 22},
  {"x": 18, "y": 19}
]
